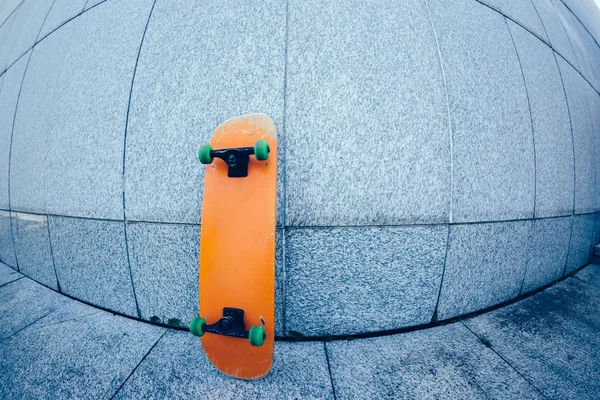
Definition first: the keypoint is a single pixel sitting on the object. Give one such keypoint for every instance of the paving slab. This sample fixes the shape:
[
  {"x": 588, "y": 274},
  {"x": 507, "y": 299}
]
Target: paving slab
[
  {"x": 522, "y": 12},
  {"x": 61, "y": 12},
  {"x": 33, "y": 248},
  {"x": 88, "y": 357},
  {"x": 443, "y": 362},
  {"x": 590, "y": 274},
  {"x": 559, "y": 40},
  {"x": 91, "y": 262},
  {"x": 492, "y": 155},
  {"x": 188, "y": 81},
  {"x": 67, "y": 154},
  {"x": 551, "y": 338},
  {"x": 7, "y": 274},
  {"x": 178, "y": 368},
  {"x": 580, "y": 247},
  {"x": 7, "y": 248},
  {"x": 485, "y": 266},
  {"x": 343, "y": 281},
  {"x": 7, "y": 8},
  {"x": 554, "y": 175}
]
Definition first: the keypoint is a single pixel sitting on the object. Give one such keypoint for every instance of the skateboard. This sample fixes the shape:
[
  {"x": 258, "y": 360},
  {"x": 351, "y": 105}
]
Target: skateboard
[{"x": 237, "y": 247}]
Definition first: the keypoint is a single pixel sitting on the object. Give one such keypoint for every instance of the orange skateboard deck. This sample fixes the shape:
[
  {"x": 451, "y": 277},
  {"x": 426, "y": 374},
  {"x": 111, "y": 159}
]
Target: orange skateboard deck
[{"x": 237, "y": 247}]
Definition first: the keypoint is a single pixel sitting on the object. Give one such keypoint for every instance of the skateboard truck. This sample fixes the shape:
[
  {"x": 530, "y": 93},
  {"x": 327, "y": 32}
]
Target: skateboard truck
[
  {"x": 237, "y": 158},
  {"x": 231, "y": 324}
]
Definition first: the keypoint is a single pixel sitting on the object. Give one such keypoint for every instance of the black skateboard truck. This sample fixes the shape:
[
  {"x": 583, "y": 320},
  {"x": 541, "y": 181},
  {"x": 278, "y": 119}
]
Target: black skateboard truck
[
  {"x": 236, "y": 158},
  {"x": 231, "y": 324}
]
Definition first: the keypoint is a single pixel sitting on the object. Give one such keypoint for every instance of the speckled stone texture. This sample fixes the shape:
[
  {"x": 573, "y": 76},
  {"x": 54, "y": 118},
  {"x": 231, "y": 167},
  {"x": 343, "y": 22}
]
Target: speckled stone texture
[
  {"x": 7, "y": 8},
  {"x": 548, "y": 256},
  {"x": 580, "y": 248},
  {"x": 61, "y": 12},
  {"x": 492, "y": 153},
  {"x": 92, "y": 3},
  {"x": 522, "y": 12},
  {"x": 550, "y": 338},
  {"x": 33, "y": 248},
  {"x": 485, "y": 265},
  {"x": 69, "y": 130},
  {"x": 7, "y": 249},
  {"x": 368, "y": 140},
  {"x": 588, "y": 13},
  {"x": 24, "y": 30},
  {"x": 579, "y": 93},
  {"x": 178, "y": 368},
  {"x": 164, "y": 265},
  {"x": 7, "y": 274},
  {"x": 559, "y": 40},
  {"x": 590, "y": 274},
  {"x": 91, "y": 262},
  {"x": 87, "y": 357},
  {"x": 351, "y": 280},
  {"x": 9, "y": 92},
  {"x": 551, "y": 126},
  {"x": 444, "y": 362},
  {"x": 190, "y": 80},
  {"x": 596, "y": 238}
]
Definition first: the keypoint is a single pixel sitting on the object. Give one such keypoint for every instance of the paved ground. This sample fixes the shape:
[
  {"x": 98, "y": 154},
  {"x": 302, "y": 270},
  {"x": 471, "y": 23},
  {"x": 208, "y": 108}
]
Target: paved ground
[{"x": 546, "y": 346}]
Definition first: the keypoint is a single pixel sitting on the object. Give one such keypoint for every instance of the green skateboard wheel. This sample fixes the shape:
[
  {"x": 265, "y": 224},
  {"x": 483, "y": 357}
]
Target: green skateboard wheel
[
  {"x": 196, "y": 326},
  {"x": 261, "y": 150},
  {"x": 256, "y": 336},
  {"x": 204, "y": 154}
]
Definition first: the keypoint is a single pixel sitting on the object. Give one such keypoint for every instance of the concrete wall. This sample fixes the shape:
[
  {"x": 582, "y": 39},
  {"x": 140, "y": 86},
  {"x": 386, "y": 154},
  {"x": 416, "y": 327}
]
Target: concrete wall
[{"x": 437, "y": 157}]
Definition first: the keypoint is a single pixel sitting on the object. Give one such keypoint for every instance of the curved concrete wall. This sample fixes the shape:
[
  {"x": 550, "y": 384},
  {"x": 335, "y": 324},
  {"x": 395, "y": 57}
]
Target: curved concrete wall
[{"x": 437, "y": 157}]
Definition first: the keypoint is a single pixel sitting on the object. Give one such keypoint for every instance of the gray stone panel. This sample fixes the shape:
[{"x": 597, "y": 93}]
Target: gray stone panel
[
  {"x": 579, "y": 93},
  {"x": 91, "y": 262},
  {"x": 8, "y": 274},
  {"x": 7, "y": 9},
  {"x": 522, "y": 12},
  {"x": 550, "y": 338},
  {"x": 33, "y": 248},
  {"x": 368, "y": 140},
  {"x": 444, "y": 362},
  {"x": 24, "y": 31},
  {"x": 585, "y": 48},
  {"x": 61, "y": 12},
  {"x": 594, "y": 103},
  {"x": 7, "y": 249},
  {"x": 164, "y": 265},
  {"x": 548, "y": 256},
  {"x": 23, "y": 302},
  {"x": 554, "y": 28},
  {"x": 178, "y": 368},
  {"x": 69, "y": 130},
  {"x": 580, "y": 248},
  {"x": 4, "y": 31},
  {"x": 83, "y": 358},
  {"x": 92, "y": 3},
  {"x": 590, "y": 274},
  {"x": 485, "y": 266},
  {"x": 9, "y": 93},
  {"x": 587, "y": 13},
  {"x": 198, "y": 67},
  {"x": 352, "y": 280},
  {"x": 492, "y": 153},
  {"x": 596, "y": 238},
  {"x": 551, "y": 126}
]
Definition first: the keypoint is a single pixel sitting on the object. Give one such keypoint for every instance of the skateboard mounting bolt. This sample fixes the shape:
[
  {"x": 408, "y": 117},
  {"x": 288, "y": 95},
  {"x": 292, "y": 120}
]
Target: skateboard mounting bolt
[
  {"x": 225, "y": 323},
  {"x": 232, "y": 158}
]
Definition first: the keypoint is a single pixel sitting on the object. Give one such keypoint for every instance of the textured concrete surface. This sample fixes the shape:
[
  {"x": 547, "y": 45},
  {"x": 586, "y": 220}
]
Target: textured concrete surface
[
  {"x": 8, "y": 274},
  {"x": 546, "y": 346},
  {"x": 548, "y": 254},
  {"x": 551, "y": 338},
  {"x": 178, "y": 368},
  {"x": 522, "y": 12},
  {"x": 551, "y": 127},
  {"x": 346, "y": 280},
  {"x": 485, "y": 265},
  {"x": 444, "y": 362},
  {"x": 578, "y": 93},
  {"x": 559, "y": 40},
  {"x": 9, "y": 93},
  {"x": 7, "y": 249},
  {"x": 28, "y": 21},
  {"x": 580, "y": 248},
  {"x": 69, "y": 129},
  {"x": 33, "y": 248},
  {"x": 7, "y": 8},
  {"x": 371, "y": 114},
  {"x": 188, "y": 81},
  {"x": 492, "y": 155},
  {"x": 91, "y": 262},
  {"x": 164, "y": 266},
  {"x": 61, "y": 12}
]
